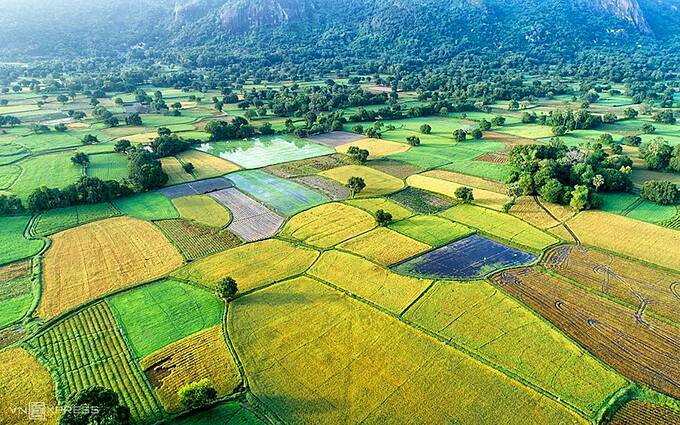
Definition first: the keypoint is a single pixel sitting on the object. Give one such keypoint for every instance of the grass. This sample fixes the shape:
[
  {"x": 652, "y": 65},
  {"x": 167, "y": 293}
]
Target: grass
[
  {"x": 492, "y": 324},
  {"x": 377, "y": 182},
  {"x": 372, "y": 205},
  {"x": 176, "y": 174},
  {"x": 198, "y": 356},
  {"x": 618, "y": 203},
  {"x": 205, "y": 165},
  {"x": 92, "y": 260},
  {"x": 159, "y": 314},
  {"x": 53, "y": 170},
  {"x": 326, "y": 358},
  {"x": 58, "y": 219},
  {"x": 652, "y": 212},
  {"x": 22, "y": 381},
  {"x": 202, "y": 209},
  {"x": 274, "y": 259},
  {"x": 500, "y": 225},
  {"x": 384, "y": 246},
  {"x": 147, "y": 206},
  {"x": 230, "y": 413},
  {"x": 8, "y": 175},
  {"x": 16, "y": 291},
  {"x": 368, "y": 280},
  {"x": 260, "y": 152},
  {"x": 431, "y": 230},
  {"x": 196, "y": 240},
  {"x": 629, "y": 237},
  {"x": 108, "y": 166},
  {"x": 328, "y": 224},
  {"x": 46, "y": 141},
  {"x": 283, "y": 196},
  {"x": 377, "y": 148},
  {"x": 13, "y": 245},
  {"x": 482, "y": 197},
  {"x": 89, "y": 349}
]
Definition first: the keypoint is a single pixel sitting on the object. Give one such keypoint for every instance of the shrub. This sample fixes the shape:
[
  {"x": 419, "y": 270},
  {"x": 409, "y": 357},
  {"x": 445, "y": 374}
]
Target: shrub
[
  {"x": 383, "y": 218},
  {"x": 660, "y": 192},
  {"x": 197, "y": 394},
  {"x": 464, "y": 194},
  {"x": 226, "y": 288}
]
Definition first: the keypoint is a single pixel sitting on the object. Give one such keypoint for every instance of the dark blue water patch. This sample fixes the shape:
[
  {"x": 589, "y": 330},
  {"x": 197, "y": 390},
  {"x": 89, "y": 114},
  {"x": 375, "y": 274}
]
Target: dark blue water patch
[{"x": 468, "y": 258}]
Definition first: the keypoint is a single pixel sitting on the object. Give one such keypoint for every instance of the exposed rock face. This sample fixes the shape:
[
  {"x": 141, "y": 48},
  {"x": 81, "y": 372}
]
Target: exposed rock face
[
  {"x": 625, "y": 10},
  {"x": 243, "y": 15}
]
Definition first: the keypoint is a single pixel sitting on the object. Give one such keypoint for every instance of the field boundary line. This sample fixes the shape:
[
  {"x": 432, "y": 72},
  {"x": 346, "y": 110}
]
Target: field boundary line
[
  {"x": 455, "y": 345},
  {"x": 561, "y": 223},
  {"x": 419, "y": 297}
]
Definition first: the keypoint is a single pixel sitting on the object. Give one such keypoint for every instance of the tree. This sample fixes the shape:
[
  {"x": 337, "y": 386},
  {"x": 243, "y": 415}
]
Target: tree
[
  {"x": 559, "y": 130},
  {"x": 80, "y": 158},
  {"x": 122, "y": 146},
  {"x": 197, "y": 394},
  {"x": 425, "y": 129},
  {"x": 94, "y": 405},
  {"x": 630, "y": 113},
  {"x": 413, "y": 140},
  {"x": 360, "y": 155},
  {"x": 647, "y": 128},
  {"x": 226, "y": 288},
  {"x": 464, "y": 194},
  {"x": 665, "y": 117},
  {"x": 60, "y": 128},
  {"x": 358, "y": 129},
  {"x": 598, "y": 181},
  {"x": 112, "y": 121},
  {"x": 62, "y": 99},
  {"x": 164, "y": 131},
  {"x": 660, "y": 192},
  {"x": 459, "y": 135},
  {"x": 133, "y": 119},
  {"x": 188, "y": 167},
  {"x": 484, "y": 125},
  {"x": 355, "y": 185},
  {"x": 656, "y": 153},
  {"x": 477, "y": 134},
  {"x": 89, "y": 139},
  {"x": 498, "y": 121},
  {"x": 552, "y": 190},
  {"x": 383, "y": 218},
  {"x": 579, "y": 198}
]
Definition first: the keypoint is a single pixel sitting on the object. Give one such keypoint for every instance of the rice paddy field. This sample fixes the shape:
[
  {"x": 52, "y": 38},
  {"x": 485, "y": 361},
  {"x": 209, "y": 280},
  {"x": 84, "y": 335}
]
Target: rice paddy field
[{"x": 450, "y": 312}]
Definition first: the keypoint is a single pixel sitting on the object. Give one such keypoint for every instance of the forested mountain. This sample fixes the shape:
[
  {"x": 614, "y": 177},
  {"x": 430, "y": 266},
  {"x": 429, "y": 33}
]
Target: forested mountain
[{"x": 268, "y": 38}]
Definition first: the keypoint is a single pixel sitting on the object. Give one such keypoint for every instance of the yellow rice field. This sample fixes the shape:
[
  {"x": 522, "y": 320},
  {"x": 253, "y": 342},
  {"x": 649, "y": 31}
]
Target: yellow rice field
[
  {"x": 384, "y": 246},
  {"x": 201, "y": 355},
  {"x": 174, "y": 170},
  {"x": 528, "y": 210},
  {"x": 374, "y": 204},
  {"x": 251, "y": 265},
  {"x": 377, "y": 148},
  {"x": 328, "y": 224},
  {"x": 377, "y": 182},
  {"x": 482, "y": 197},
  {"x": 24, "y": 380},
  {"x": 368, "y": 280},
  {"x": 206, "y": 165},
  {"x": 655, "y": 244},
  {"x": 465, "y": 180},
  {"x": 315, "y": 356},
  {"x": 202, "y": 209},
  {"x": 91, "y": 260}
]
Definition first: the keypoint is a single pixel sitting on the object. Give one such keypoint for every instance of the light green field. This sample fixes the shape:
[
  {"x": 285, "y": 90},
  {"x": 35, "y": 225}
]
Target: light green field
[
  {"x": 500, "y": 225},
  {"x": 147, "y": 206},
  {"x": 16, "y": 292},
  {"x": 53, "y": 170},
  {"x": 58, "y": 219},
  {"x": 159, "y": 314},
  {"x": 202, "y": 209},
  {"x": 432, "y": 230},
  {"x": 108, "y": 166},
  {"x": 230, "y": 413},
  {"x": 8, "y": 175},
  {"x": 52, "y": 140},
  {"x": 13, "y": 245}
]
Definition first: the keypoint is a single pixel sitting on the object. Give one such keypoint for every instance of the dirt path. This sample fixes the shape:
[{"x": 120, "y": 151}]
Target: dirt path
[{"x": 571, "y": 232}]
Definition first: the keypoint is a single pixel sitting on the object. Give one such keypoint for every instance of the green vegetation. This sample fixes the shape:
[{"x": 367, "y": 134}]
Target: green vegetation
[
  {"x": 13, "y": 245},
  {"x": 147, "y": 206},
  {"x": 159, "y": 314},
  {"x": 432, "y": 230},
  {"x": 110, "y": 166},
  {"x": 58, "y": 219}
]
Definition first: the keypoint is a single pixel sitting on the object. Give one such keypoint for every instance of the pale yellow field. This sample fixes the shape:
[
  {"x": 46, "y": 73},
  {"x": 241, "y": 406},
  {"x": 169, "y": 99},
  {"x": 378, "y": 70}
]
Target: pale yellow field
[
  {"x": 24, "y": 380},
  {"x": 482, "y": 197},
  {"x": 206, "y": 165},
  {"x": 89, "y": 261},
  {"x": 174, "y": 170},
  {"x": 377, "y": 183},
  {"x": 483, "y": 319},
  {"x": 374, "y": 204},
  {"x": 202, "y": 209},
  {"x": 201, "y": 355},
  {"x": 528, "y": 210},
  {"x": 500, "y": 225},
  {"x": 328, "y": 224},
  {"x": 315, "y": 356},
  {"x": 384, "y": 246},
  {"x": 368, "y": 280},
  {"x": 141, "y": 137},
  {"x": 376, "y": 148},
  {"x": 251, "y": 265},
  {"x": 465, "y": 180},
  {"x": 648, "y": 242}
]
